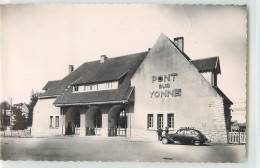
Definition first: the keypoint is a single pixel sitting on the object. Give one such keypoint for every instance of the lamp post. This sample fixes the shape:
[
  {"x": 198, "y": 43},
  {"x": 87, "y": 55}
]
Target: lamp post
[
  {"x": 4, "y": 118},
  {"x": 11, "y": 112}
]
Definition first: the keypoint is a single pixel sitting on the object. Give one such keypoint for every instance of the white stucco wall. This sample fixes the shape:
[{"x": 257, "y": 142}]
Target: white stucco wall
[
  {"x": 41, "y": 118},
  {"x": 198, "y": 106},
  {"x": 207, "y": 75}
]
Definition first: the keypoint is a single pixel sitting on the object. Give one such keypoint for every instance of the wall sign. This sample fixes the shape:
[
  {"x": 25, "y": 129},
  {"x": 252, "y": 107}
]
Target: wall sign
[{"x": 164, "y": 84}]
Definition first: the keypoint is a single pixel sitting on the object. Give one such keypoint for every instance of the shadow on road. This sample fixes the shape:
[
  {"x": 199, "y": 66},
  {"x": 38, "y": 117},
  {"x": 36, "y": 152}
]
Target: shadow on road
[
  {"x": 187, "y": 144},
  {"x": 168, "y": 158}
]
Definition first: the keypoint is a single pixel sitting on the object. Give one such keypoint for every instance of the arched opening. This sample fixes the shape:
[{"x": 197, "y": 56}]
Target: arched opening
[
  {"x": 93, "y": 121},
  {"x": 117, "y": 121},
  {"x": 72, "y": 121},
  {"x": 98, "y": 119},
  {"x": 121, "y": 119}
]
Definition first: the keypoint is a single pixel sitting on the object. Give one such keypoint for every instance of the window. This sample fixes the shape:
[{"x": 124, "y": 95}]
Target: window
[
  {"x": 112, "y": 85},
  {"x": 195, "y": 132},
  {"x": 108, "y": 85},
  {"x": 180, "y": 132},
  {"x": 98, "y": 119},
  {"x": 122, "y": 119},
  {"x": 77, "y": 119},
  {"x": 96, "y": 86},
  {"x": 91, "y": 87},
  {"x": 81, "y": 88},
  {"x": 76, "y": 88},
  {"x": 51, "y": 121},
  {"x": 57, "y": 122},
  {"x": 160, "y": 120},
  {"x": 187, "y": 132},
  {"x": 150, "y": 121},
  {"x": 170, "y": 119}
]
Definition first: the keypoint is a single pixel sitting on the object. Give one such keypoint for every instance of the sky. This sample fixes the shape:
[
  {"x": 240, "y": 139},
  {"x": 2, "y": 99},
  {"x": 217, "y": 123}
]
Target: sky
[{"x": 38, "y": 42}]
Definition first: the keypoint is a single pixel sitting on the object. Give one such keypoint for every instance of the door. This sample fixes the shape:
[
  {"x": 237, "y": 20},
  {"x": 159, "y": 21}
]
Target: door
[
  {"x": 178, "y": 136},
  {"x": 187, "y": 136},
  {"x": 98, "y": 123},
  {"x": 122, "y": 124}
]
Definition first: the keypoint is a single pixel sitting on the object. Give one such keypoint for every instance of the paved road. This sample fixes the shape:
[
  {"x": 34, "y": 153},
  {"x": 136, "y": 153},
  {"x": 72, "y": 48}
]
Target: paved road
[{"x": 113, "y": 149}]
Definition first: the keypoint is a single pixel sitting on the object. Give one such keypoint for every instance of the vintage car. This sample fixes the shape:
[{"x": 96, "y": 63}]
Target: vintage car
[{"x": 185, "y": 135}]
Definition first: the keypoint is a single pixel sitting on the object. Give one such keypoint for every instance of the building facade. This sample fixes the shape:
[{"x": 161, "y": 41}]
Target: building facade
[
  {"x": 134, "y": 95},
  {"x": 23, "y": 107}
]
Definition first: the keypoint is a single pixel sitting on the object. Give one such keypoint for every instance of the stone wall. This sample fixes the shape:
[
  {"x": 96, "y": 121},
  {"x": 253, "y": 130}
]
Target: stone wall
[
  {"x": 141, "y": 134},
  {"x": 218, "y": 132}
]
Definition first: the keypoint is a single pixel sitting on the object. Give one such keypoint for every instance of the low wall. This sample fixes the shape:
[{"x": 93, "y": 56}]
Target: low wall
[
  {"x": 43, "y": 131},
  {"x": 16, "y": 133},
  {"x": 215, "y": 136}
]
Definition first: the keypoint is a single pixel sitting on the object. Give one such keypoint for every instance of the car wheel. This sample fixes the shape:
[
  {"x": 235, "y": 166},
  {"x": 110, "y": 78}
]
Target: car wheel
[
  {"x": 165, "y": 141},
  {"x": 197, "y": 143}
]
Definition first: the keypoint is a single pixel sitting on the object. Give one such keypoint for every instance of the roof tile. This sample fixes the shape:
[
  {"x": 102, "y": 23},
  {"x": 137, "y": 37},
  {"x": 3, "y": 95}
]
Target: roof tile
[
  {"x": 50, "y": 84},
  {"x": 207, "y": 64},
  {"x": 111, "y": 69}
]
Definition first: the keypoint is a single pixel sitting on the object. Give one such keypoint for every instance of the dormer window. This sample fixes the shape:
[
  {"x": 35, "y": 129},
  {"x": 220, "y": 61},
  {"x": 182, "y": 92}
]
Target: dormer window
[
  {"x": 76, "y": 88},
  {"x": 110, "y": 85},
  {"x": 96, "y": 86},
  {"x": 91, "y": 87}
]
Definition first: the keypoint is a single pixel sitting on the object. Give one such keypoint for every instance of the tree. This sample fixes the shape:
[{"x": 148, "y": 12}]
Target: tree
[
  {"x": 19, "y": 123},
  {"x": 5, "y": 119},
  {"x": 34, "y": 99}
]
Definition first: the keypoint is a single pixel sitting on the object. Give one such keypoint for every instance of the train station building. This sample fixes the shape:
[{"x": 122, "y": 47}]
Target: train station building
[{"x": 133, "y": 95}]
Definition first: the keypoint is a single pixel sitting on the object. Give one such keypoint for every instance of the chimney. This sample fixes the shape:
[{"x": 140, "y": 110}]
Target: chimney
[
  {"x": 103, "y": 58},
  {"x": 214, "y": 79},
  {"x": 71, "y": 68},
  {"x": 179, "y": 42}
]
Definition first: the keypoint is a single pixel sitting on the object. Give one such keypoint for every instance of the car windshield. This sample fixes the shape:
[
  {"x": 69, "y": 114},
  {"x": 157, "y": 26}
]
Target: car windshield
[
  {"x": 187, "y": 132},
  {"x": 180, "y": 132},
  {"x": 194, "y": 132},
  {"x": 197, "y": 131}
]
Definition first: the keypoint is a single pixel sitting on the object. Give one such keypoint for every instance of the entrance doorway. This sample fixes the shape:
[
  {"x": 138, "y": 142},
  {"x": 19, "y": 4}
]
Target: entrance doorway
[
  {"x": 72, "y": 122},
  {"x": 117, "y": 121},
  {"x": 121, "y": 123},
  {"x": 93, "y": 121}
]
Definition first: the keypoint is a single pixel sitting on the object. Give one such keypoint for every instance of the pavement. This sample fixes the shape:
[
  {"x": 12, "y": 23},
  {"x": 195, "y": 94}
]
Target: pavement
[{"x": 74, "y": 148}]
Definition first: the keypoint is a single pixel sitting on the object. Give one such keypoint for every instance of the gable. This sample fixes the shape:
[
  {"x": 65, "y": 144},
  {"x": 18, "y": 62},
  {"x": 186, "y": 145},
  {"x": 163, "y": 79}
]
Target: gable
[{"x": 163, "y": 62}]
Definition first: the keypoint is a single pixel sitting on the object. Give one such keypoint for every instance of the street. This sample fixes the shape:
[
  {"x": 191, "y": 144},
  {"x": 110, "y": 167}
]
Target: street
[{"x": 71, "y": 148}]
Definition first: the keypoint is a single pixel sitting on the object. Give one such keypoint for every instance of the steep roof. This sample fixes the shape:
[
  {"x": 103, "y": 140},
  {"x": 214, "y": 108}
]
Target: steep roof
[
  {"x": 226, "y": 99},
  {"x": 94, "y": 72},
  {"x": 112, "y": 69},
  {"x": 207, "y": 64},
  {"x": 203, "y": 65},
  {"x": 183, "y": 53},
  {"x": 50, "y": 84},
  {"x": 121, "y": 94}
]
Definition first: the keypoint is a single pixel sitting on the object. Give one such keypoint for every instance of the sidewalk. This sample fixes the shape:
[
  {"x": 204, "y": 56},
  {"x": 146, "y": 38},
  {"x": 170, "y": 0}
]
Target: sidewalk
[{"x": 98, "y": 138}]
